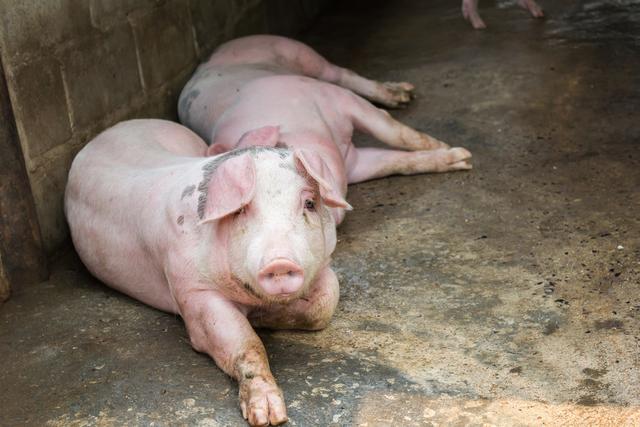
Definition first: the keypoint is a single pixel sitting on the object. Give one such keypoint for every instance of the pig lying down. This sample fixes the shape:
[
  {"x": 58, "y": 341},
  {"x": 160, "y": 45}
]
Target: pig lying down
[{"x": 239, "y": 234}]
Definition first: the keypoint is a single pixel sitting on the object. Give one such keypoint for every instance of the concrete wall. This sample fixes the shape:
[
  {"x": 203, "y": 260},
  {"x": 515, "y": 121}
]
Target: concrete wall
[{"x": 75, "y": 67}]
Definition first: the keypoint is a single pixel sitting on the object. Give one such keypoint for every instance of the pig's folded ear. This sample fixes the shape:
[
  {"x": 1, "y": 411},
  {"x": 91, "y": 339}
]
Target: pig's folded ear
[
  {"x": 230, "y": 188},
  {"x": 215, "y": 149},
  {"x": 265, "y": 136},
  {"x": 311, "y": 163}
]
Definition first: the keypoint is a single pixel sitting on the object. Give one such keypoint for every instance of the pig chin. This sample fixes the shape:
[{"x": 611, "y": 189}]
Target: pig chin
[{"x": 254, "y": 288}]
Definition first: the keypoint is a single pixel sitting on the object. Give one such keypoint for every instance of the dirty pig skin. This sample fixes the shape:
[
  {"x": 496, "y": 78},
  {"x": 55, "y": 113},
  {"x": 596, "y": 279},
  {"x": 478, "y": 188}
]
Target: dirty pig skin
[{"x": 239, "y": 233}]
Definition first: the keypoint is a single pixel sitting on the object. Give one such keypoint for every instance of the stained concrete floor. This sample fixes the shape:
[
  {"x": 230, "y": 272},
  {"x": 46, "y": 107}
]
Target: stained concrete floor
[{"x": 508, "y": 295}]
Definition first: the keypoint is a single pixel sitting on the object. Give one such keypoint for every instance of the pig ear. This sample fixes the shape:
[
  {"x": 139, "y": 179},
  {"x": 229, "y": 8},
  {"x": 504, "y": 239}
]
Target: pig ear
[
  {"x": 311, "y": 163},
  {"x": 265, "y": 136},
  {"x": 230, "y": 188},
  {"x": 215, "y": 149}
]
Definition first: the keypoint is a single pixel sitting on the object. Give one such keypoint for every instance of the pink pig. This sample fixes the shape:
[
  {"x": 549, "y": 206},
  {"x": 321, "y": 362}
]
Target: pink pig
[{"x": 243, "y": 238}]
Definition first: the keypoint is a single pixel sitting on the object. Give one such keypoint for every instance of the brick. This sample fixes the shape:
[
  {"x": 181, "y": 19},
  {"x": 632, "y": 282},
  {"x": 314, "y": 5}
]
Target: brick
[
  {"x": 39, "y": 106},
  {"x": 108, "y": 13},
  {"x": 251, "y": 19},
  {"x": 163, "y": 103},
  {"x": 22, "y": 259},
  {"x": 212, "y": 19},
  {"x": 101, "y": 76},
  {"x": 31, "y": 26},
  {"x": 48, "y": 182},
  {"x": 164, "y": 39}
]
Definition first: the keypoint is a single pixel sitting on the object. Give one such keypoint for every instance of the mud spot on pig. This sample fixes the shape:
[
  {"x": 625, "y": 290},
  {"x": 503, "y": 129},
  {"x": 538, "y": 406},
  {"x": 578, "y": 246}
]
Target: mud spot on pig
[
  {"x": 288, "y": 167},
  {"x": 249, "y": 289},
  {"x": 188, "y": 191},
  {"x": 202, "y": 203},
  {"x": 180, "y": 220},
  {"x": 207, "y": 172},
  {"x": 187, "y": 100}
]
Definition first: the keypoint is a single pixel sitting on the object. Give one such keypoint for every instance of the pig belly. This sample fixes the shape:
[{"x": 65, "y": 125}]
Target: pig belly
[
  {"x": 120, "y": 263},
  {"x": 109, "y": 246}
]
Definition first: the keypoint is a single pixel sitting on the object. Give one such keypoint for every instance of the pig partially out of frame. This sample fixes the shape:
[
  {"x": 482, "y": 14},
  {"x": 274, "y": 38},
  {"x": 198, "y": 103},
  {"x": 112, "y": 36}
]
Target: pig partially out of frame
[
  {"x": 239, "y": 233},
  {"x": 470, "y": 11}
]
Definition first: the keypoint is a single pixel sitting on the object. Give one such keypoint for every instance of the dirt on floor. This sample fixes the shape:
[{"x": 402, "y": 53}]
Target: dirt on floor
[{"x": 507, "y": 295}]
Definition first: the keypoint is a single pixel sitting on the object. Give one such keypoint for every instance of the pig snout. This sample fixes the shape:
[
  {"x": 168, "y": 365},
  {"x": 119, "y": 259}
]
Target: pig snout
[{"x": 281, "y": 276}]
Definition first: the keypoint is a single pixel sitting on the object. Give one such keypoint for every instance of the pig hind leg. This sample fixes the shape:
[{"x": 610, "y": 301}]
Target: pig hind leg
[
  {"x": 302, "y": 59},
  {"x": 371, "y": 163},
  {"x": 534, "y": 9},
  {"x": 312, "y": 312},
  {"x": 379, "y": 124}
]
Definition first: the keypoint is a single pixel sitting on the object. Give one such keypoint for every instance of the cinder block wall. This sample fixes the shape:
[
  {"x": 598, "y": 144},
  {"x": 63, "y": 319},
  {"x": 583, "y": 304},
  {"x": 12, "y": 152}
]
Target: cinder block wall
[{"x": 75, "y": 67}]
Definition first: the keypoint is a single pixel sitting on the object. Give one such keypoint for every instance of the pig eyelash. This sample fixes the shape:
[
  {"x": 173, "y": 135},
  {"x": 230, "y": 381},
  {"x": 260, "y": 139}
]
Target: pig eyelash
[
  {"x": 239, "y": 211},
  {"x": 310, "y": 205}
]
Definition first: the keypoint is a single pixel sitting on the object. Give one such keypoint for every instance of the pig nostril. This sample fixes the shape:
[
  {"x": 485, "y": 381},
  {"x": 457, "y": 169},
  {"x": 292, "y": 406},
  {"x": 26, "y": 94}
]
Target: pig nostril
[{"x": 281, "y": 276}]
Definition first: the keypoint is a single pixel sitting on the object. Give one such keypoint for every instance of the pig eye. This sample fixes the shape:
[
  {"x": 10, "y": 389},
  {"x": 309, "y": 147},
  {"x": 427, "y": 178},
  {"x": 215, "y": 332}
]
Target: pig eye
[
  {"x": 239, "y": 211},
  {"x": 310, "y": 205}
]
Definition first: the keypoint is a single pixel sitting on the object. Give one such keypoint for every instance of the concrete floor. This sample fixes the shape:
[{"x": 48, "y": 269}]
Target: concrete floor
[{"x": 508, "y": 295}]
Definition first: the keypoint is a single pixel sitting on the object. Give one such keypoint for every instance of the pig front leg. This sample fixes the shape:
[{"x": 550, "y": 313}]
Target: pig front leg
[
  {"x": 470, "y": 13},
  {"x": 389, "y": 94},
  {"x": 217, "y": 327},
  {"x": 371, "y": 163},
  {"x": 311, "y": 312},
  {"x": 534, "y": 9},
  {"x": 379, "y": 124}
]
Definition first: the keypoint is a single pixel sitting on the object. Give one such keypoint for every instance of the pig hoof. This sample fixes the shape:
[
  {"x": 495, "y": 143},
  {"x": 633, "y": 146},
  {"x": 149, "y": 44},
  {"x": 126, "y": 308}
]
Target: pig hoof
[
  {"x": 397, "y": 94},
  {"x": 534, "y": 9},
  {"x": 470, "y": 13},
  {"x": 458, "y": 159},
  {"x": 261, "y": 402}
]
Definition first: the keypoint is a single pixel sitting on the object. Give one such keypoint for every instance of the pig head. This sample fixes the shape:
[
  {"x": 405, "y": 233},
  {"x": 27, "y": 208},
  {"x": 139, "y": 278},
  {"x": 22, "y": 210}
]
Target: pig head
[{"x": 272, "y": 207}]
